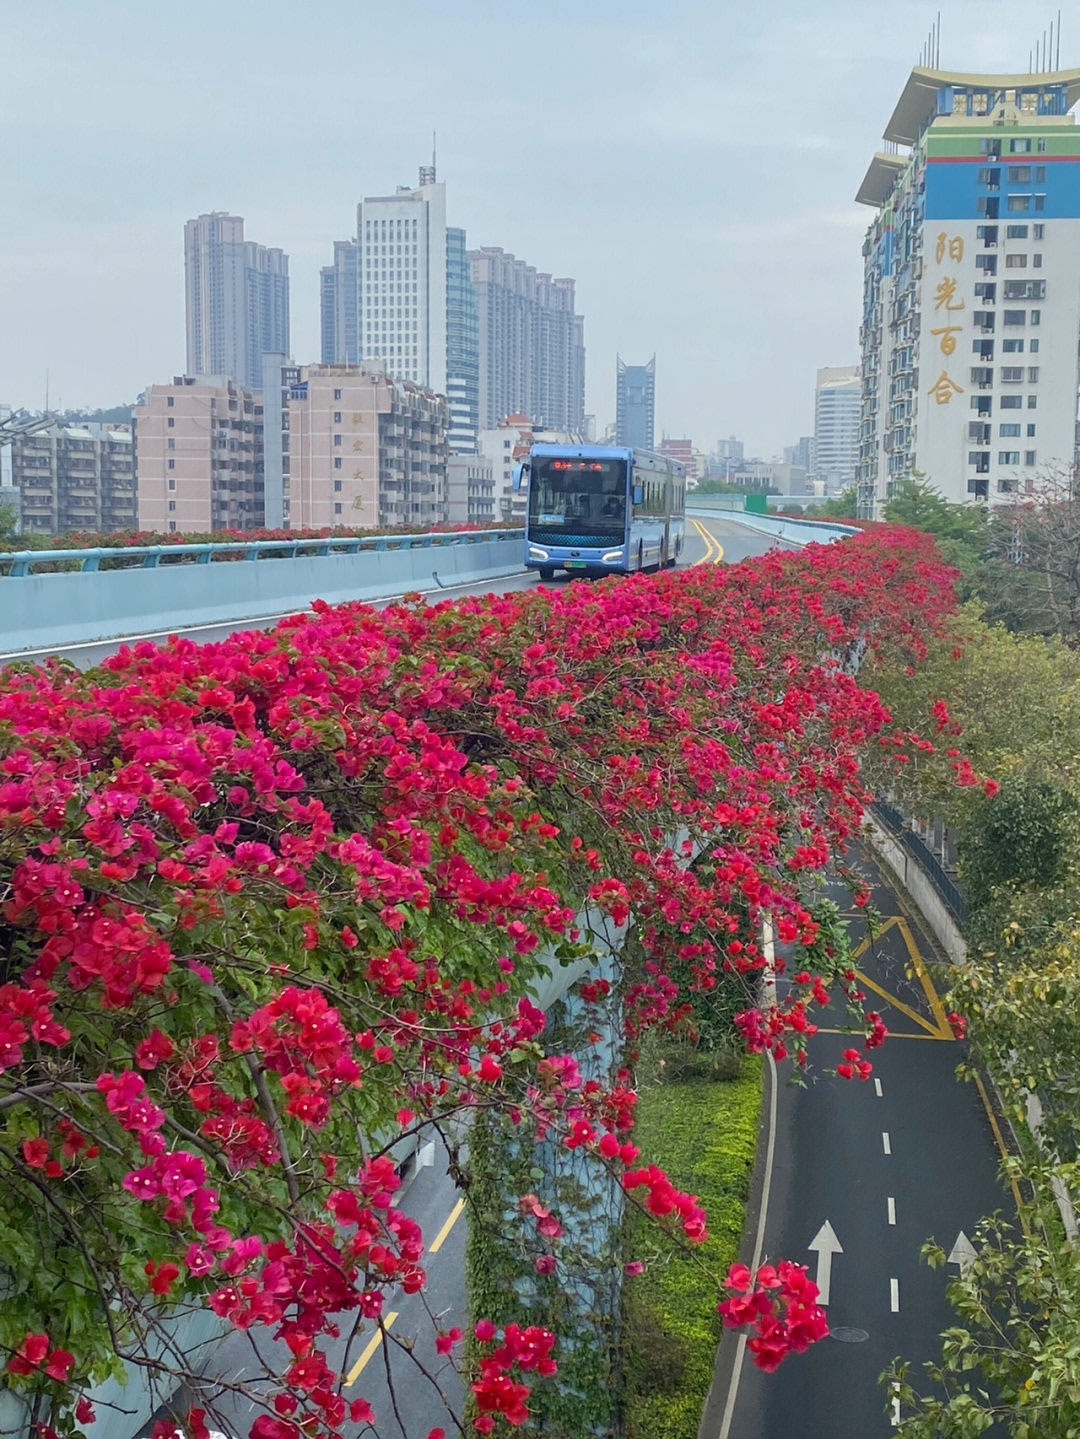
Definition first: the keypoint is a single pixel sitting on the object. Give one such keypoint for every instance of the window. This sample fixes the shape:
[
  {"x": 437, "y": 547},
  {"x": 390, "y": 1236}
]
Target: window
[
  {"x": 337, "y": 509},
  {"x": 1031, "y": 432},
  {"x": 1036, "y": 232},
  {"x": 1040, "y": 202},
  {"x": 1033, "y": 374},
  {"x": 1036, "y": 262},
  {"x": 1012, "y": 402},
  {"x": 172, "y": 527},
  {"x": 1033, "y": 347},
  {"x": 1040, "y": 174},
  {"x": 1036, "y": 316},
  {"x": 1013, "y": 347},
  {"x": 990, "y": 177},
  {"x": 172, "y": 505},
  {"x": 1029, "y": 457},
  {"x": 1011, "y": 374},
  {"x": 1033, "y": 402},
  {"x": 170, "y": 402},
  {"x": 172, "y": 423},
  {"x": 1020, "y": 147},
  {"x": 1009, "y": 432},
  {"x": 172, "y": 484},
  {"x": 1008, "y": 457},
  {"x": 1016, "y": 232},
  {"x": 1016, "y": 262},
  {"x": 337, "y": 439},
  {"x": 337, "y": 483},
  {"x": 337, "y": 417},
  {"x": 1042, "y": 146},
  {"x": 1018, "y": 203},
  {"x": 337, "y": 462},
  {"x": 337, "y": 394},
  {"x": 172, "y": 444},
  {"x": 1019, "y": 174},
  {"x": 172, "y": 466},
  {"x": 1012, "y": 317}
]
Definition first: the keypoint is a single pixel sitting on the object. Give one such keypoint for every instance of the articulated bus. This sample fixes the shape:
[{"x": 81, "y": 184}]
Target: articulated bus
[{"x": 601, "y": 509}]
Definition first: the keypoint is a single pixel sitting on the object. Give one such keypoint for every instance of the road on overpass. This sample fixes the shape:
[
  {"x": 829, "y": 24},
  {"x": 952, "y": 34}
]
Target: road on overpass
[{"x": 704, "y": 538}]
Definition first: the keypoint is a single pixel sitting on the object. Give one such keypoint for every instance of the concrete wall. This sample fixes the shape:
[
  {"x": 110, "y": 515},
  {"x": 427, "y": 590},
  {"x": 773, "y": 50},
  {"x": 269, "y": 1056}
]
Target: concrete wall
[
  {"x": 51, "y": 610},
  {"x": 918, "y": 885}
]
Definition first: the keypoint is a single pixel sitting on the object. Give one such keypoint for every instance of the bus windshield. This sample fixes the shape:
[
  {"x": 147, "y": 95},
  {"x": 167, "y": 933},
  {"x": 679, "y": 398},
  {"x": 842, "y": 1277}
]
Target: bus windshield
[{"x": 573, "y": 494}]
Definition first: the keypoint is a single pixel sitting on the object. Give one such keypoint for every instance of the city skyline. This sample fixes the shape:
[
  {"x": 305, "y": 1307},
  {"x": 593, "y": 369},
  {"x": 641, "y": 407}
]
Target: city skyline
[{"x": 714, "y": 224}]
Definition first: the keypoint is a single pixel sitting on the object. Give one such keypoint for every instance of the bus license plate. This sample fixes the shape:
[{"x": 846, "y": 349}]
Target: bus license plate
[{"x": 575, "y": 564}]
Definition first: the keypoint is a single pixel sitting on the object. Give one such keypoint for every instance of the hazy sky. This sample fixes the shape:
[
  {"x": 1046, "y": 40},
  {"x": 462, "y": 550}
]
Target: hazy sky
[{"x": 691, "y": 165}]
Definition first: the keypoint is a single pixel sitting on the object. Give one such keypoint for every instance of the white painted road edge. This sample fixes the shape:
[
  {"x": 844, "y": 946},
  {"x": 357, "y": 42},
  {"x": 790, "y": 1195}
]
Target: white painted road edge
[{"x": 759, "y": 1244}]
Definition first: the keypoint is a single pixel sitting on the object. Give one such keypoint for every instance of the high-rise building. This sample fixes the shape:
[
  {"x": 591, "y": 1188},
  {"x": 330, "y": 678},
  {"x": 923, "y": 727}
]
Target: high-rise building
[
  {"x": 971, "y": 300},
  {"x": 237, "y": 300},
  {"x": 635, "y": 398},
  {"x": 531, "y": 343},
  {"x": 74, "y": 477},
  {"x": 802, "y": 454},
  {"x": 837, "y": 414},
  {"x": 399, "y": 293},
  {"x": 347, "y": 445},
  {"x": 340, "y": 305},
  {"x": 199, "y": 456},
  {"x": 502, "y": 447}
]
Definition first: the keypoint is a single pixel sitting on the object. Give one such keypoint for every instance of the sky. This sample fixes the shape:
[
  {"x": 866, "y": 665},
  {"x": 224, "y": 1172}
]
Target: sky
[{"x": 691, "y": 166}]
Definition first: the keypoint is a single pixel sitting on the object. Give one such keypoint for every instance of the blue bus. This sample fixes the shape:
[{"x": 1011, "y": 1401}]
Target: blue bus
[{"x": 601, "y": 509}]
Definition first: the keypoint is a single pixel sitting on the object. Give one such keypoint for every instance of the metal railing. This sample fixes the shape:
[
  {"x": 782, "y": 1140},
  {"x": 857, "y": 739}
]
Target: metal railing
[
  {"x": 951, "y": 896},
  {"x": 16, "y": 563}
]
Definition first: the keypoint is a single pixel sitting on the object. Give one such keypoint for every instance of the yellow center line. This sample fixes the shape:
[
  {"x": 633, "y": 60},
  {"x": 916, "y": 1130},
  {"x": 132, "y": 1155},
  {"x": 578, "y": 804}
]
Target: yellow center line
[
  {"x": 711, "y": 544},
  {"x": 893, "y": 1034},
  {"x": 1001, "y": 1145},
  {"x": 440, "y": 1238},
  {"x": 370, "y": 1348}
]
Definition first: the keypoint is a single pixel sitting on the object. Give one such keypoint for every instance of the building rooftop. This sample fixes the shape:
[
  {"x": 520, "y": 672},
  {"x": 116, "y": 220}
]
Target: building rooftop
[
  {"x": 879, "y": 179},
  {"x": 918, "y": 102}
]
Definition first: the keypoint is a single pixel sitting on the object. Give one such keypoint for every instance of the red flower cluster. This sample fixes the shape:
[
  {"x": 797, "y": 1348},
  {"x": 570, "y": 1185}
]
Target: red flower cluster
[
  {"x": 266, "y": 895},
  {"x": 778, "y": 1302}
]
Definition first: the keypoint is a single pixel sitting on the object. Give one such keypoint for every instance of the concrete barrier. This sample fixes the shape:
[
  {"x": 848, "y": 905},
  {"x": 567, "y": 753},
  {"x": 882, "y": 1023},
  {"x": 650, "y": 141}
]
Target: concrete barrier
[{"x": 53, "y": 610}]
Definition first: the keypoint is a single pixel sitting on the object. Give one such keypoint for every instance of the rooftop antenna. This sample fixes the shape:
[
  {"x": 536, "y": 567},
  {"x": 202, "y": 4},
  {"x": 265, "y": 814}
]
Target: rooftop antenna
[
  {"x": 1057, "y": 59},
  {"x": 937, "y": 47},
  {"x": 427, "y": 175}
]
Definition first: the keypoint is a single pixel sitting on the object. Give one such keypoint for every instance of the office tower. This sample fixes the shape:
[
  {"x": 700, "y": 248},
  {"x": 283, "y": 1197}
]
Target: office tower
[
  {"x": 635, "y": 397},
  {"x": 237, "y": 300},
  {"x": 531, "y": 345},
  {"x": 971, "y": 300},
  {"x": 399, "y": 293},
  {"x": 837, "y": 413},
  {"x": 349, "y": 445},
  {"x": 199, "y": 456},
  {"x": 74, "y": 477}
]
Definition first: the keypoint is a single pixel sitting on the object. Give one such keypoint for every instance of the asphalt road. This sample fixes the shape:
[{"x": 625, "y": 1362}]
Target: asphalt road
[{"x": 910, "y": 1154}]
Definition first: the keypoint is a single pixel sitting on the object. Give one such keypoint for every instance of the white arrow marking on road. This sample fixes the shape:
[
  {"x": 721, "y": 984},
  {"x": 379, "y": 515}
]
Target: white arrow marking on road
[
  {"x": 825, "y": 1244},
  {"x": 962, "y": 1253}
]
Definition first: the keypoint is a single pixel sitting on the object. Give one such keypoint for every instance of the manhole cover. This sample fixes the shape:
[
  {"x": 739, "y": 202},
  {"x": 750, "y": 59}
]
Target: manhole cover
[{"x": 848, "y": 1336}]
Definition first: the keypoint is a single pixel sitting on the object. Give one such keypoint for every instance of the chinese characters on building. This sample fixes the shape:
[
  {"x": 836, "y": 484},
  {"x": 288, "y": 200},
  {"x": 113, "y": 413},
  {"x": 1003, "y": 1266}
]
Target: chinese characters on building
[{"x": 947, "y": 307}]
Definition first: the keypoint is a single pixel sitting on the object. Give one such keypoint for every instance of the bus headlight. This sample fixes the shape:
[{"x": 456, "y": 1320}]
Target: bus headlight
[
  {"x": 536, "y": 553},
  {"x": 612, "y": 557}
]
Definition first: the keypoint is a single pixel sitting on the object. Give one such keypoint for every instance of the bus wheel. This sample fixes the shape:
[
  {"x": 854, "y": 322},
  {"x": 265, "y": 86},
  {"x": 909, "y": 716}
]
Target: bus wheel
[{"x": 547, "y": 572}]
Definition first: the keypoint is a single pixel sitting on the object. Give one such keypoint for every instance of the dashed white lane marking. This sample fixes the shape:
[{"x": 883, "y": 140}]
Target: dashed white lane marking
[
  {"x": 877, "y": 1086},
  {"x": 894, "y": 1295},
  {"x": 895, "y": 1406},
  {"x": 892, "y": 1210},
  {"x": 886, "y": 1146}
]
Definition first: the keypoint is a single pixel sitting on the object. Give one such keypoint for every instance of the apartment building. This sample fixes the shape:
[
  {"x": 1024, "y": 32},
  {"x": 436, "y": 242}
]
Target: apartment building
[
  {"x": 75, "y": 477},
  {"x": 635, "y": 403},
  {"x": 199, "y": 456},
  {"x": 531, "y": 343},
  {"x": 971, "y": 299},
  {"x": 470, "y": 490},
  {"x": 503, "y": 447},
  {"x": 347, "y": 445},
  {"x": 237, "y": 300}
]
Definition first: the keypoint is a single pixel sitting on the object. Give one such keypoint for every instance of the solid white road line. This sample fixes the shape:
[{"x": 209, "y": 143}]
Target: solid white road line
[
  {"x": 894, "y": 1295},
  {"x": 886, "y": 1146},
  {"x": 877, "y": 1086},
  {"x": 892, "y": 1210},
  {"x": 895, "y": 1421},
  {"x": 759, "y": 1244}
]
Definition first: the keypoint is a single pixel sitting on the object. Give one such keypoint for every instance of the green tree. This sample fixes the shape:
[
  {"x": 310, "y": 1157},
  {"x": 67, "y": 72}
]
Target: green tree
[
  {"x": 842, "y": 506},
  {"x": 960, "y": 530}
]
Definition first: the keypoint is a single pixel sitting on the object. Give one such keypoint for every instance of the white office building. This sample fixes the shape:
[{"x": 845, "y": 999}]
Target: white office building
[{"x": 837, "y": 410}]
